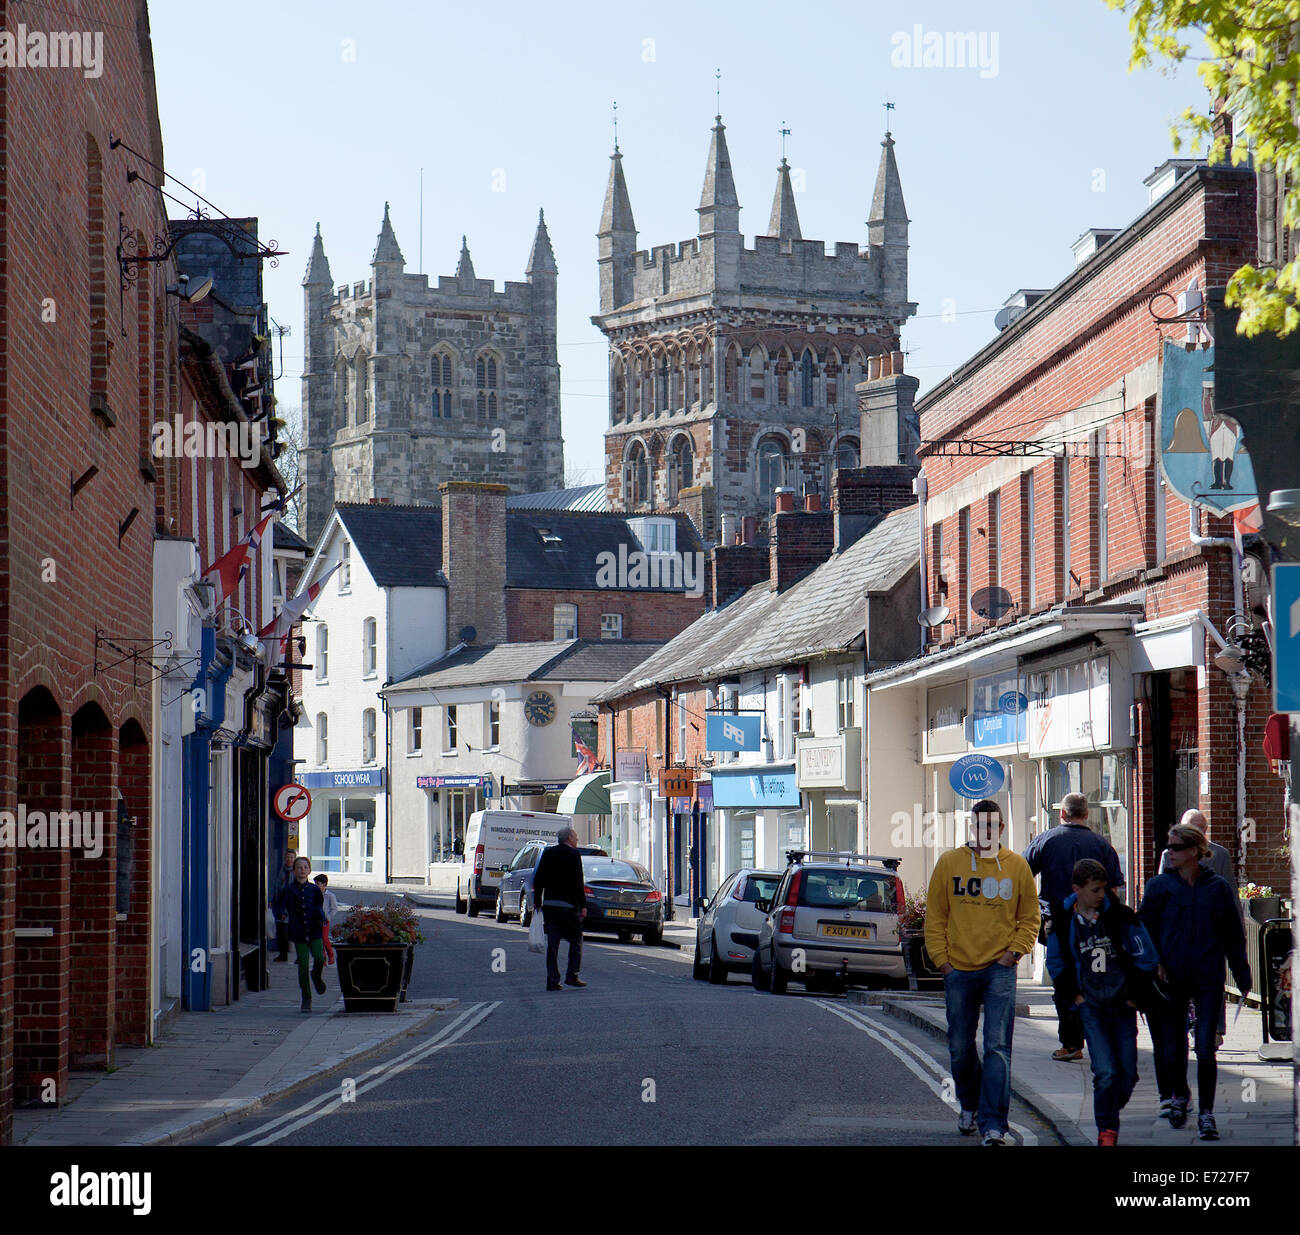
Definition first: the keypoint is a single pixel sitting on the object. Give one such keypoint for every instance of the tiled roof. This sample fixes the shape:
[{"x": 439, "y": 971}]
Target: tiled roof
[
  {"x": 284, "y": 537},
  {"x": 401, "y": 545},
  {"x": 824, "y": 612},
  {"x": 569, "y": 660}
]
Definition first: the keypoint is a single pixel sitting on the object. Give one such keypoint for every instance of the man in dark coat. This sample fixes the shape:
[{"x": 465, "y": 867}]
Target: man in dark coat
[
  {"x": 558, "y": 889},
  {"x": 1192, "y": 917},
  {"x": 1052, "y": 855}
]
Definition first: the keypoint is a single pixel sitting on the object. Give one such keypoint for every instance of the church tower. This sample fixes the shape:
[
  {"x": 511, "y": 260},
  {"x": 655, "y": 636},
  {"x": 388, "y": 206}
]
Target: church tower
[
  {"x": 733, "y": 371},
  {"x": 407, "y": 385}
]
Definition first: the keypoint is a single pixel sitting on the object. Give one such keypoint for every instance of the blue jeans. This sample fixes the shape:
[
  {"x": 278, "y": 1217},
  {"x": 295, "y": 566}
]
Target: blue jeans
[
  {"x": 1111, "y": 1033},
  {"x": 982, "y": 1087}
]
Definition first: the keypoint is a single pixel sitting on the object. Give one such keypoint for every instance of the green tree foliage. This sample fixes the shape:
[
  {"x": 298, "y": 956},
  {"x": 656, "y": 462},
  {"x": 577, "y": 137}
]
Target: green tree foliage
[{"x": 1253, "y": 66}]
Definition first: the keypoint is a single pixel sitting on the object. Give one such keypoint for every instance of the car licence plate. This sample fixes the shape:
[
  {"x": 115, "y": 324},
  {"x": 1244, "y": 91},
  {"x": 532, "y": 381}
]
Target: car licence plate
[
  {"x": 835, "y": 931},
  {"x": 620, "y": 913}
]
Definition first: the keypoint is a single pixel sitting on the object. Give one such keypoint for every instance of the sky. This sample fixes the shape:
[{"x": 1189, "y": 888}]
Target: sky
[{"x": 306, "y": 111}]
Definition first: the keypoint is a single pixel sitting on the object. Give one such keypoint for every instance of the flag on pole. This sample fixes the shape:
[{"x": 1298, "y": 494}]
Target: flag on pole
[
  {"x": 586, "y": 756},
  {"x": 1244, "y": 522},
  {"x": 229, "y": 569},
  {"x": 278, "y": 628}
]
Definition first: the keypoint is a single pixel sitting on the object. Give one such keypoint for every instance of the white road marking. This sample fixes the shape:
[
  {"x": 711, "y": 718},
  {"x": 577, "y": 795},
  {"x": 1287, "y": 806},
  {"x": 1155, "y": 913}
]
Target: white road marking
[
  {"x": 893, "y": 1041},
  {"x": 474, "y": 1015}
]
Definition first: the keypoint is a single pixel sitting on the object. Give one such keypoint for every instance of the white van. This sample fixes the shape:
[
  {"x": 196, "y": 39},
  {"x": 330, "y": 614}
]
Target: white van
[{"x": 492, "y": 838}]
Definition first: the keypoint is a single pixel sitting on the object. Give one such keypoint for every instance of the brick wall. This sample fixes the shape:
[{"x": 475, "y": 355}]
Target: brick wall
[
  {"x": 801, "y": 540},
  {"x": 530, "y": 612}
]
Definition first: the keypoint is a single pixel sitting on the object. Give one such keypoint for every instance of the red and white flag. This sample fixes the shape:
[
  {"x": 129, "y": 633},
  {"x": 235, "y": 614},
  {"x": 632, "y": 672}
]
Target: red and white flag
[
  {"x": 231, "y": 566},
  {"x": 586, "y": 756},
  {"x": 291, "y": 612}
]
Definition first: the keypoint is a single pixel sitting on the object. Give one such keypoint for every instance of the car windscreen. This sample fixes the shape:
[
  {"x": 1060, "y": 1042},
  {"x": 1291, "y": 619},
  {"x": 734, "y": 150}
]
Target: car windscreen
[
  {"x": 611, "y": 868},
  {"x": 761, "y": 887},
  {"x": 847, "y": 889}
]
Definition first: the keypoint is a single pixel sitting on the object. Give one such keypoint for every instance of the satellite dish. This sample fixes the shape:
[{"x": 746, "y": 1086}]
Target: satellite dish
[
  {"x": 991, "y": 603},
  {"x": 467, "y": 634},
  {"x": 1004, "y": 317},
  {"x": 936, "y": 615}
]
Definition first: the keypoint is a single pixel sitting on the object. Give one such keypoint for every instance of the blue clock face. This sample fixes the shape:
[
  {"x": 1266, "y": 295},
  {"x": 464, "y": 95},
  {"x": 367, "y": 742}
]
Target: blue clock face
[{"x": 539, "y": 707}]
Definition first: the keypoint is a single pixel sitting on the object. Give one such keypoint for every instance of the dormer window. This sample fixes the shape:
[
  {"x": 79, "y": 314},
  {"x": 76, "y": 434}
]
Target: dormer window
[
  {"x": 549, "y": 538},
  {"x": 655, "y": 535}
]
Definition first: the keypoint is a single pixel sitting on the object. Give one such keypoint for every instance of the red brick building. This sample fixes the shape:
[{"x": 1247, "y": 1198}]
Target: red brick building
[
  {"x": 1083, "y": 601},
  {"x": 86, "y": 366}
]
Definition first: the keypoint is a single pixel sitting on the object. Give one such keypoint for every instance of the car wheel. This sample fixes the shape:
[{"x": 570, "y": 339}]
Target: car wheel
[
  {"x": 699, "y": 968},
  {"x": 780, "y": 975},
  {"x": 525, "y": 914},
  {"x": 460, "y": 904},
  {"x": 653, "y": 937},
  {"x": 500, "y": 914},
  {"x": 761, "y": 979},
  {"x": 471, "y": 905},
  {"x": 717, "y": 970}
]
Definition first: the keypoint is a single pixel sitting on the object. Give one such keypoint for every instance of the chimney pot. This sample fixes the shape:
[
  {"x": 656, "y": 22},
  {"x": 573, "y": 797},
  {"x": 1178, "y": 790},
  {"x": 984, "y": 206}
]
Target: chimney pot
[
  {"x": 784, "y": 500},
  {"x": 749, "y": 529}
]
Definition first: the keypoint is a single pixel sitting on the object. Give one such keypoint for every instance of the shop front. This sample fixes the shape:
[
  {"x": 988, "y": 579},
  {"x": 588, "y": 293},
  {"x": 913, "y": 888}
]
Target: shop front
[
  {"x": 449, "y": 802},
  {"x": 344, "y": 832},
  {"x": 759, "y": 813},
  {"x": 830, "y": 775}
]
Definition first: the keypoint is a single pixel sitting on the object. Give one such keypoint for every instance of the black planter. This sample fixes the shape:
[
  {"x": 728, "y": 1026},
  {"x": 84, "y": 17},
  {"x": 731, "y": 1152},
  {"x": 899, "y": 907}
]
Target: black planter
[
  {"x": 372, "y": 976},
  {"x": 406, "y": 970},
  {"x": 922, "y": 973}
]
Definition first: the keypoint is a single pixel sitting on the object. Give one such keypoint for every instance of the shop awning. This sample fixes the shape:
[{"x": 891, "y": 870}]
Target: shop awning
[{"x": 588, "y": 795}]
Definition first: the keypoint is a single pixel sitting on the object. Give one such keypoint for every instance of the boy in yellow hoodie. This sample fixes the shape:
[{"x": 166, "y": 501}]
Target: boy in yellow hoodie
[{"x": 981, "y": 917}]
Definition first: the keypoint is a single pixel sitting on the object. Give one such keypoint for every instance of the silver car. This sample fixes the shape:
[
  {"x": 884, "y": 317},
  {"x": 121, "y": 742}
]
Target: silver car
[
  {"x": 727, "y": 932},
  {"x": 833, "y": 921}
]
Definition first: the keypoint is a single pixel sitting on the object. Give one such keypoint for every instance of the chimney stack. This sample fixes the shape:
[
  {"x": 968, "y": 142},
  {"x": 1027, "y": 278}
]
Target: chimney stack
[
  {"x": 863, "y": 495},
  {"x": 889, "y": 428},
  {"x": 474, "y": 559},
  {"x": 799, "y": 541}
]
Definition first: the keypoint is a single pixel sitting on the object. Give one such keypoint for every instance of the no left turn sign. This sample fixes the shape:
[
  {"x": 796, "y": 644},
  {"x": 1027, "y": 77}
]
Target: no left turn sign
[{"x": 292, "y": 802}]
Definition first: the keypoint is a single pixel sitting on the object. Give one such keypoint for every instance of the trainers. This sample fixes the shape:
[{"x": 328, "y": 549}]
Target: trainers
[
  {"x": 1165, "y": 1105},
  {"x": 1107, "y": 1136},
  {"x": 306, "y": 1006},
  {"x": 1178, "y": 1112},
  {"x": 574, "y": 981},
  {"x": 995, "y": 1138},
  {"x": 966, "y": 1123},
  {"x": 1206, "y": 1128},
  {"x": 1068, "y": 1054}
]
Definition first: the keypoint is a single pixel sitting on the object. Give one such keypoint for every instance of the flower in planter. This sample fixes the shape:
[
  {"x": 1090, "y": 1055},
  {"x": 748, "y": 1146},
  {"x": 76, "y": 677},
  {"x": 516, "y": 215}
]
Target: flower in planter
[
  {"x": 392, "y": 922},
  {"x": 1253, "y": 890},
  {"x": 913, "y": 916}
]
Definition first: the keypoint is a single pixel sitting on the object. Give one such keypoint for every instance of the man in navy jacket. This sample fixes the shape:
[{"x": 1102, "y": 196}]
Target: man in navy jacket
[{"x": 1191, "y": 915}]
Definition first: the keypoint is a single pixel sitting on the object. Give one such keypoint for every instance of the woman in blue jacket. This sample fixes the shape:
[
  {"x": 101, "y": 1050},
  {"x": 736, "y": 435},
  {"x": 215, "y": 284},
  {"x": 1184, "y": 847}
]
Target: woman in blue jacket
[{"x": 1192, "y": 915}]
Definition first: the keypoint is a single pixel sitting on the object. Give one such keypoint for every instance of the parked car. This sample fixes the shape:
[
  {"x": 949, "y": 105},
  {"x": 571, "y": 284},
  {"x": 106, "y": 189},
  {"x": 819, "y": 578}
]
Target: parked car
[
  {"x": 514, "y": 897},
  {"x": 727, "y": 932},
  {"x": 833, "y": 921},
  {"x": 622, "y": 897},
  {"x": 492, "y": 838}
]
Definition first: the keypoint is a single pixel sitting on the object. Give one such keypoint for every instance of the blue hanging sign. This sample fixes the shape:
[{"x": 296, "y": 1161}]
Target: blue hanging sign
[
  {"x": 729, "y": 731},
  {"x": 976, "y": 776}
]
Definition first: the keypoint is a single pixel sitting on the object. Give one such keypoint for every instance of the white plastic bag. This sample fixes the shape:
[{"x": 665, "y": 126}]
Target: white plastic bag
[{"x": 536, "y": 933}]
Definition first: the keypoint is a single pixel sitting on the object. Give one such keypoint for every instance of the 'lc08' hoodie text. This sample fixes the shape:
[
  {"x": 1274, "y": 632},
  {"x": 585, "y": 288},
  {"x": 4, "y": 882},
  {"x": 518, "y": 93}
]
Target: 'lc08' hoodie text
[{"x": 979, "y": 907}]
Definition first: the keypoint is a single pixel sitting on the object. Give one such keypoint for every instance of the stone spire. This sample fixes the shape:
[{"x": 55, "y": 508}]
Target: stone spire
[
  {"x": 616, "y": 218},
  {"x": 888, "y": 222},
  {"x": 784, "y": 223},
  {"x": 719, "y": 207},
  {"x": 465, "y": 267},
  {"x": 542, "y": 259},
  {"x": 318, "y": 265},
  {"x": 386, "y": 249}
]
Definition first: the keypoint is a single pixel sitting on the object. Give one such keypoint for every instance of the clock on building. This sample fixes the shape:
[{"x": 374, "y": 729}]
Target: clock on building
[{"x": 539, "y": 707}]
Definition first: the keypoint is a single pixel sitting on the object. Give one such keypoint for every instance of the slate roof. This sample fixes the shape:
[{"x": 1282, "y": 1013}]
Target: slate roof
[
  {"x": 284, "y": 537},
  {"x": 568, "y": 660},
  {"x": 582, "y": 497},
  {"x": 401, "y": 545},
  {"x": 822, "y": 613}
]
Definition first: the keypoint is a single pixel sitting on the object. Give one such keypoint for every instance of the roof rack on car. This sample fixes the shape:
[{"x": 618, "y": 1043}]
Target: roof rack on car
[{"x": 798, "y": 855}]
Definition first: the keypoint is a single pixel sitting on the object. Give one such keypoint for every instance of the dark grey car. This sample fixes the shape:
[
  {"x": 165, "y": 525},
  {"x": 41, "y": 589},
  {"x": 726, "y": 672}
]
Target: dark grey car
[{"x": 515, "y": 899}]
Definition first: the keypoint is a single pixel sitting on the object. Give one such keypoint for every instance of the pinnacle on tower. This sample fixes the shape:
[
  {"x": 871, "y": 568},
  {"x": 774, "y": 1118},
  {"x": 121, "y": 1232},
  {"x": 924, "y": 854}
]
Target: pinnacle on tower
[
  {"x": 542, "y": 259},
  {"x": 386, "y": 249},
  {"x": 318, "y": 265},
  {"x": 784, "y": 223},
  {"x": 888, "y": 222},
  {"x": 719, "y": 207},
  {"x": 465, "y": 267},
  {"x": 616, "y": 217}
]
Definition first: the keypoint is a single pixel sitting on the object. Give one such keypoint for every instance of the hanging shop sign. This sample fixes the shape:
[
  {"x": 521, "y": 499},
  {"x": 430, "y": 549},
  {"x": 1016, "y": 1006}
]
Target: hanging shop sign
[
  {"x": 976, "y": 776},
  {"x": 730, "y": 731},
  {"x": 1069, "y": 707}
]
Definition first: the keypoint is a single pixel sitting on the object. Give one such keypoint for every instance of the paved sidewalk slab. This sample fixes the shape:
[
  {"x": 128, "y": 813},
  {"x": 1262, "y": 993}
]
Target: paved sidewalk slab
[
  {"x": 1252, "y": 1103},
  {"x": 210, "y": 1067}
]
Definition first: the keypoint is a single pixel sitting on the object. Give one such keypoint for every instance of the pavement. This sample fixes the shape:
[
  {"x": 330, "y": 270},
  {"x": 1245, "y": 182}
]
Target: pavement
[
  {"x": 1252, "y": 1106},
  {"x": 210, "y": 1067}
]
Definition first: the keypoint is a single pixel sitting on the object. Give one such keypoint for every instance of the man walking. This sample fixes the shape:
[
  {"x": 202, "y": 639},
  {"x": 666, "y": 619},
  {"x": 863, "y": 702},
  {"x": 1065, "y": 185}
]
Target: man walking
[
  {"x": 281, "y": 922},
  {"x": 1193, "y": 918},
  {"x": 1053, "y": 855},
  {"x": 557, "y": 888},
  {"x": 981, "y": 917}
]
